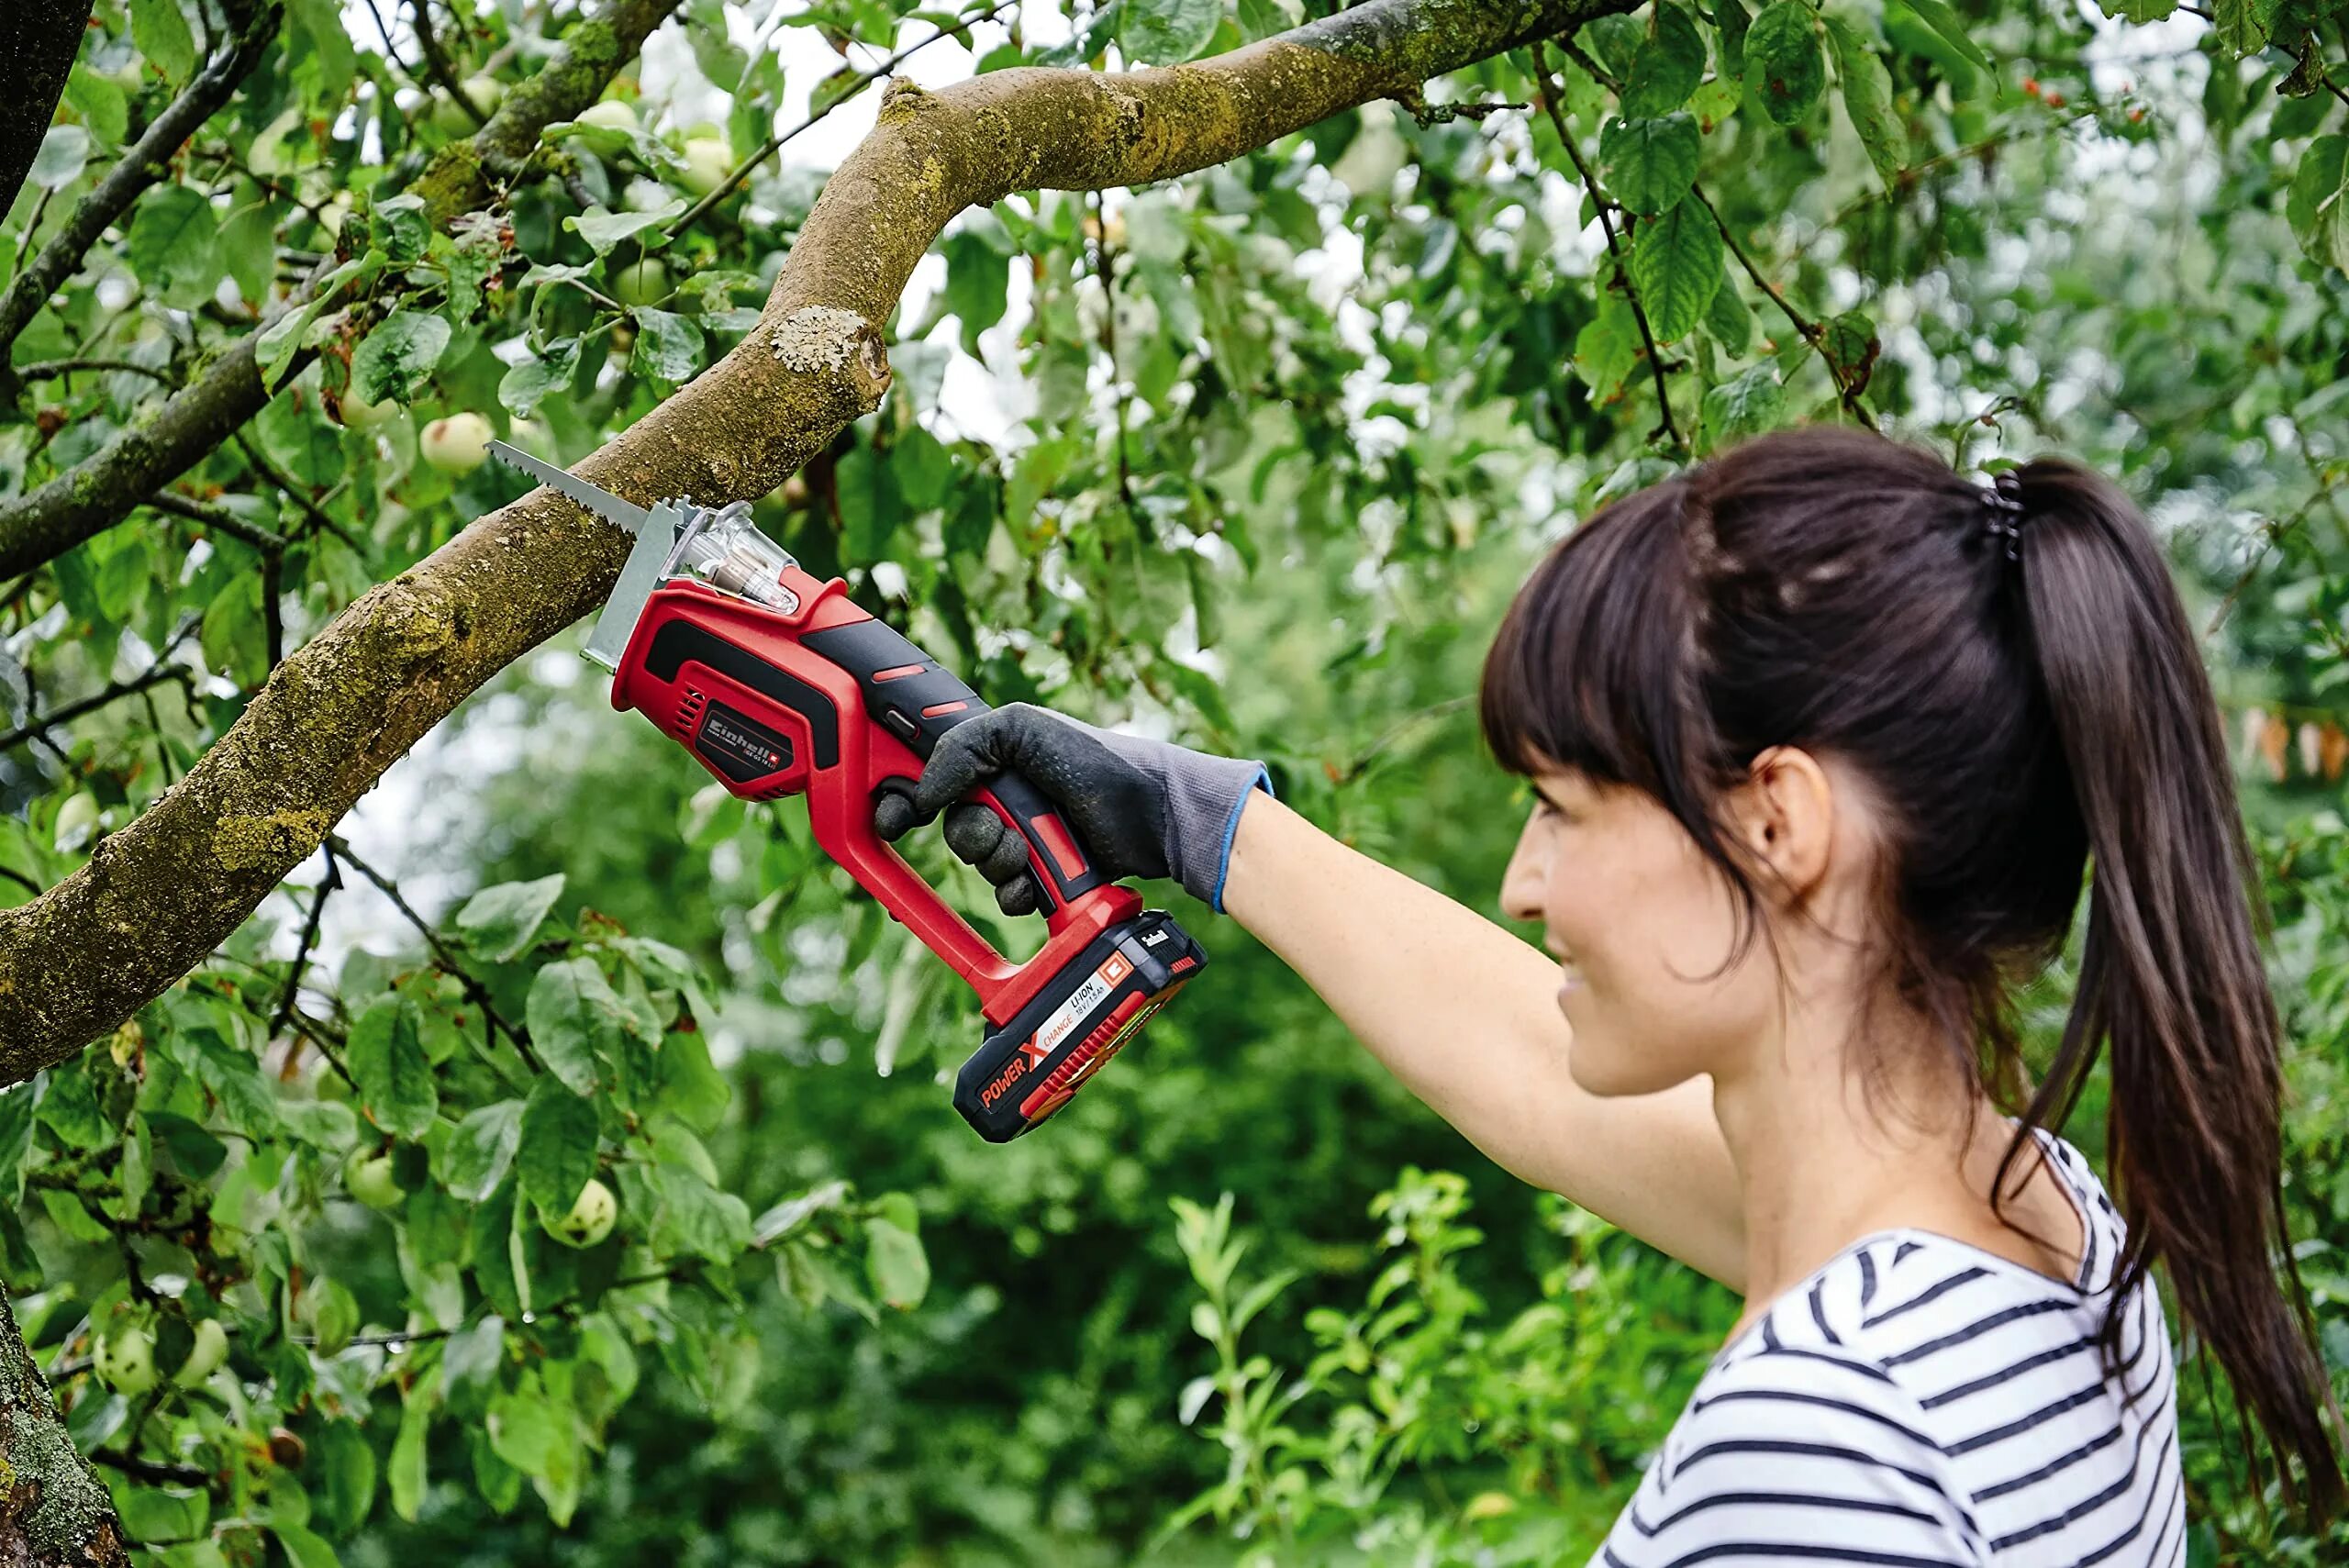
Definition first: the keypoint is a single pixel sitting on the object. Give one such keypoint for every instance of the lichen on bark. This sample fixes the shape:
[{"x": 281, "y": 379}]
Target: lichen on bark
[{"x": 52, "y": 1511}]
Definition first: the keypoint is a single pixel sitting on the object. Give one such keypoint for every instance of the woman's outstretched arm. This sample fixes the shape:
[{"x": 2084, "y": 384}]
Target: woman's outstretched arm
[{"x": 1466, "y": 1016}]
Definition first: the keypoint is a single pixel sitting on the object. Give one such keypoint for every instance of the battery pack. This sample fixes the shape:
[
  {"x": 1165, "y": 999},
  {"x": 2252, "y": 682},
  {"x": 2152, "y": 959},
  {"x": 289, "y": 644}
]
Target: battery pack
[{"x": 1032, "y": 1066}]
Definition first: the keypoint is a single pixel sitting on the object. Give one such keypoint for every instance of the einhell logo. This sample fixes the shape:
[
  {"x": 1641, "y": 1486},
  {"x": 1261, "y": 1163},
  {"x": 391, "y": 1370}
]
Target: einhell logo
[{"x": 1030, "y": 1055}]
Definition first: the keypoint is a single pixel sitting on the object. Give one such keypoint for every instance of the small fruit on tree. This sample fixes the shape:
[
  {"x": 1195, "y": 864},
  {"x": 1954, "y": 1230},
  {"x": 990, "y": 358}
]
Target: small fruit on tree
[
  {"x": 590, "y": 1220},
  {"x": 361, "y": 415},
  {"x": 707, "y": 163},
  {"x": 370, "y": 1179},
  {"x": 611, "y": 114},
  {"x": 126, "y": 1359},
  {"x": 458, "y": 444},
  {"x": 646, "y": 282}
]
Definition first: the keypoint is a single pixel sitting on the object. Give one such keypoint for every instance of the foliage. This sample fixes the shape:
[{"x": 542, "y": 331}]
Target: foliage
[{"x": 1278, "y": 441}]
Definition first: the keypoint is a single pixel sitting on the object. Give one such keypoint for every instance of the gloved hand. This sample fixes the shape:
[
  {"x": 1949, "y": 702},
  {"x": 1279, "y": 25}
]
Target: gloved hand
[{"x": 1145, "y": 808}]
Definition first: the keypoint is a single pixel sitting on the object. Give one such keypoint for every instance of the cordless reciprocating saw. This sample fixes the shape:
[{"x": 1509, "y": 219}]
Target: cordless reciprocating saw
[{"x": 782, "y": 686}]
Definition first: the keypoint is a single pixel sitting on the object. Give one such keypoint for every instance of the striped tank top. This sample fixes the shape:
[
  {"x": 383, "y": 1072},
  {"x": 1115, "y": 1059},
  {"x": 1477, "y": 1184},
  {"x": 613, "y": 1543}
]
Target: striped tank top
[{"x": 1919, "y": 1402}]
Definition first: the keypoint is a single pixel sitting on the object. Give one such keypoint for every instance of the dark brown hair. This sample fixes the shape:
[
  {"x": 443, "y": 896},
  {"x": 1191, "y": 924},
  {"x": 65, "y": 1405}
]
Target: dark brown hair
[{"x": 2023, "y": 720}]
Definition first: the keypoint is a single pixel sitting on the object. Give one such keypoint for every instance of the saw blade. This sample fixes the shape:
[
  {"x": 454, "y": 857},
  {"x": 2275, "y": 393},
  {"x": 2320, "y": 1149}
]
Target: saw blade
[{"x": 625, "y": 515}]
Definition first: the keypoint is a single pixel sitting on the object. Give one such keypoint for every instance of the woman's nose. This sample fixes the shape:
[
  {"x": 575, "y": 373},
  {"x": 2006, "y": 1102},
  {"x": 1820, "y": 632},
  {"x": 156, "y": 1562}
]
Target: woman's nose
[{"x": 1526, "y": 876}]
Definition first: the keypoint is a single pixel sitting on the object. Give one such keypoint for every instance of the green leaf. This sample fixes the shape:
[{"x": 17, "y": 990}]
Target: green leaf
[
  {"x": 401, "y": 227},
  {"x": 668, "y": 346},
  {"x": 100, "y": 104},
  {"x": 1262, "y": 18},
  {"x": 195, "y": 1152},
  {"x": 1168, "y": 32},
  {"x": 527, "y": 385},
  {"x": 1607, "y": 347},
  {"x": 65, "y": 153},
  {"x": 65, "y": 1212},
  {"x": 395, "y": 1077},
  {"x": 499, "y": 922},
  {"x": 174, "y": 245},
  {"x": 573, "y": 1015},
  {"x": 1745, "y": 405},
  {"x": 71, "y": 1110},
  {"x": 407, "y": 1472},
  {"x": 697, "y": 1217},
  {"x": 1677, "y": 265},
  {"x": 1938, "y": 15},
  {"x": 1851, "y": 345},
  {"x": 604, "y": 229},
  {"x": 978, "y": 281},
  {"x": 248, "y": 250},
  {"x": 894, "y": 1264},
  {"x": 162, "y": 36},
  {"x": 346, "y": 1469},
  {"x": 2138, "y": 10},
  {"x": 1651, "y": 163},
  {"x": 1782, "y": 65},
  {"x": 233, "y": 1075},
  {"x": 1867, "y": 98},
  {"x": 2318, "y": 203},
  {"x": 1669, "y": 64},
  {"x": 2240, "y": 25},
  {"x": 17, "y": 1103},
  {"x": 558, "y": 1147},
  {"x": 398, "y": 356},
  {"x": 525, "y": 1431},
  {"x": 475, "y": 1157}
]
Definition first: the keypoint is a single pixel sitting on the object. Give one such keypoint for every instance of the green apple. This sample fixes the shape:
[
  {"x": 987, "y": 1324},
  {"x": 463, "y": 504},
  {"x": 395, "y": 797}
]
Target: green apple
[
  {"x": 458, "y": 444},
  {"x": 611, "y": 114},
  {"x": 368, "y": 1178},
  {"x": 126, "y": 1359},
  {"x": 647, "y": 282},
  {"x": 590, "y": 1220},
  {"x": 205, "y": 1357},
  {"x": 707, "y": 163},
  {"x": 359, "y": 413}
]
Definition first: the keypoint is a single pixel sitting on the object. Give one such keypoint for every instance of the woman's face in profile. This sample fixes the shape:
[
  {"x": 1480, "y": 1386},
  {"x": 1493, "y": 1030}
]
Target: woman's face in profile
[{"x": 1641, "y": 925}]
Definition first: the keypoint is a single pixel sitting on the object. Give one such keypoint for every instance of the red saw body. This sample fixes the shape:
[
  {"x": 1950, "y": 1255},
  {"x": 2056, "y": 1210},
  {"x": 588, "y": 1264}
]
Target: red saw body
[{"x": 808, "y": 693}]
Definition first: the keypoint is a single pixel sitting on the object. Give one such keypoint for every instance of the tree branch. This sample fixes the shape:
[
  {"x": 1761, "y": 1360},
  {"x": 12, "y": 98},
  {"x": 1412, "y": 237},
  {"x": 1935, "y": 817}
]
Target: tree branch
[
  {"x": 154, "y": 675},
  {"x": 158, "y": 895},
  {"x": 437, "y": 63},
  {"x": 145, "y": 163},
  {"x": 104, "y": 488}
]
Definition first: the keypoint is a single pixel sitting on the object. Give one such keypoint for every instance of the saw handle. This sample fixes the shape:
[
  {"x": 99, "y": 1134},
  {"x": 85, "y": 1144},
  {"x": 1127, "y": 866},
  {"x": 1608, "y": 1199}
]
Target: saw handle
[{"x": 915, "y": 700}]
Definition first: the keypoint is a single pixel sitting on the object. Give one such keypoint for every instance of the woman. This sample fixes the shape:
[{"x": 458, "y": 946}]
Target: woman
[{"x": 1824, "y": 737}]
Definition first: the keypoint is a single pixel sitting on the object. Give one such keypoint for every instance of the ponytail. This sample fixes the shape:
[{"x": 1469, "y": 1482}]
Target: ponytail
[{"x": 2170, "y": 969}]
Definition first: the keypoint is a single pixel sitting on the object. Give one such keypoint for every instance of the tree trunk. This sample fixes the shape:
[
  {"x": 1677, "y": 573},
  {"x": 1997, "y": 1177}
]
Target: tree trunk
[{"x": 52, "y": 1509}]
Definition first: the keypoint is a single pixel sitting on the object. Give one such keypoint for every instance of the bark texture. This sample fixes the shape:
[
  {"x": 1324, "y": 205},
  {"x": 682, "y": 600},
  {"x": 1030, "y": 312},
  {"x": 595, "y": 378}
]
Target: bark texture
[
  {"x": 161, "y": 894},
  {"x": 40, "y": 40},
  {"x": 53, "y": 1512}
]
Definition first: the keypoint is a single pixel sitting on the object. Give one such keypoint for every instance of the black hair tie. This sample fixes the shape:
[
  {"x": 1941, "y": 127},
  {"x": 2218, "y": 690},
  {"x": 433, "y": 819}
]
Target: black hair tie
[{"x": 2003, "y": 511}]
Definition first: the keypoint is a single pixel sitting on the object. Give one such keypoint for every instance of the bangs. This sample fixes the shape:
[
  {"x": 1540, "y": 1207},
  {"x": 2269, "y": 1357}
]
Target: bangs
[{"x": 1590, "y": 668}]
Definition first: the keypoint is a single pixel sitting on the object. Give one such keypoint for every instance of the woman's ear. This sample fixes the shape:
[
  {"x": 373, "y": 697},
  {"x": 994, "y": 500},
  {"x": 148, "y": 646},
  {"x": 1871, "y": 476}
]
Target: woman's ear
[{"x": 1784, "y": 818}]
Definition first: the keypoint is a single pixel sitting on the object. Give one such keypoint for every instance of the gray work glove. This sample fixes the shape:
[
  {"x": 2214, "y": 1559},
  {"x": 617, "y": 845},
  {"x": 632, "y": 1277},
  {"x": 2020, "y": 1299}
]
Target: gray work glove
[{"x": 1143, "y": 807}]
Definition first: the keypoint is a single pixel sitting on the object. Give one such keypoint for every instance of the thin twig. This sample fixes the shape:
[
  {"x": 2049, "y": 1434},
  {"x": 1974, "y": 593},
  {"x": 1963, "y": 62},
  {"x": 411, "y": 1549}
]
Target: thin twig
[
  {"x": 437, "y": 63},
  {"x": 726, "y": 186},
  {"x": 292, "y": 491},
  {"x": 441, "y": 951},
  {"x": 45, "y": 368},
  {"x": 1546, "y": 91},
  {"x": 155, "y": 674},
  {"x": 326, "y": 886},
  {"x": 218, "y": 520},
  {"x": 1812, "y": 332}
]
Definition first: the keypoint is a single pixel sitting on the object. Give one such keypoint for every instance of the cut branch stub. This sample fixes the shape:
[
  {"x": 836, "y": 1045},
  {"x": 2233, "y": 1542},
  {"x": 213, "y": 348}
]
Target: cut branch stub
[{"x": 161, "y": 894}]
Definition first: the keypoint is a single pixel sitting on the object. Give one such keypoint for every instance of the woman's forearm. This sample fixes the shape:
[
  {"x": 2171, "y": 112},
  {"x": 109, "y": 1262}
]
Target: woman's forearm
[{"x": 1465, "y": 1014}]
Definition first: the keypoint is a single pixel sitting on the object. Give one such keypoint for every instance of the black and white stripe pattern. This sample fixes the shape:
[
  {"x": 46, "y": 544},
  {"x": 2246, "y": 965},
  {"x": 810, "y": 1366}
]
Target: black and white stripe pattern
[{"x": 1920, "y": 1403}]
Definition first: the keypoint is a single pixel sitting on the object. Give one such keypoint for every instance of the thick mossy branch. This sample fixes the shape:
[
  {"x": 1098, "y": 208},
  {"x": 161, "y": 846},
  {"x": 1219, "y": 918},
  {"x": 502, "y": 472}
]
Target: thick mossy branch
[
  {"x": 161, "y": 894},
  {"x": 104, "y": 488}
]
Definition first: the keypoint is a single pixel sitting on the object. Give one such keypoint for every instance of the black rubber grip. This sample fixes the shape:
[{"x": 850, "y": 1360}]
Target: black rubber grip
[{"x": 916, "y": 684}]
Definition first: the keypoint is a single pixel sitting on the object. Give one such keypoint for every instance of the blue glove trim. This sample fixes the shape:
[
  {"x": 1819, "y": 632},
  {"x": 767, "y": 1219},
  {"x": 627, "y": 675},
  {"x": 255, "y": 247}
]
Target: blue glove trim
[{"x": 1264, "y": 781}]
